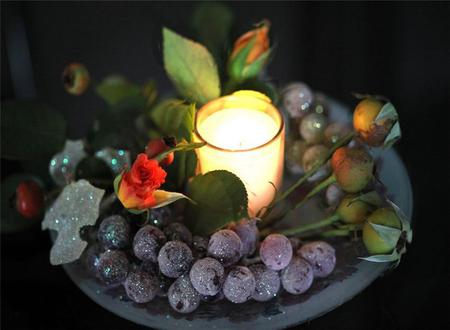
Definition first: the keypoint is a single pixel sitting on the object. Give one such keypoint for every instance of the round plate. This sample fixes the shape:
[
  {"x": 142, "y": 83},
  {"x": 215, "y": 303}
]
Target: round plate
[{"x": 349, "y": 278}]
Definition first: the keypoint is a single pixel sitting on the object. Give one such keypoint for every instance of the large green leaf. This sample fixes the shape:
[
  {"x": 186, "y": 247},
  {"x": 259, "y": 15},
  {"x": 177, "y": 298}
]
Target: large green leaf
[
  {"x": 220, "y": 198},
  {"x": 115, "y": 89},
  {"x": 31, "y": 129},
  {"x": 211, "y": 22},
  {"x": 182, "y": 168},
  {"x": 190, "y": 67},
  {"x": 174, "y": 117}
]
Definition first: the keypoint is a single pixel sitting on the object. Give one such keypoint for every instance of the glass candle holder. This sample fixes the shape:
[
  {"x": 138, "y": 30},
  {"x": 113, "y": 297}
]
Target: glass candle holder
[{"x": 244, "y": 134}]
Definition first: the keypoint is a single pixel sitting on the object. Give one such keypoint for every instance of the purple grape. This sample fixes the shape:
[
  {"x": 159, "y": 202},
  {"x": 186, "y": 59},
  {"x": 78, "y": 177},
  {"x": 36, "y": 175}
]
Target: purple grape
[
  {"x": 164, "y": 281},
  {"x": 225, "y": 246},
  {"x": 182, "y": 296},
  {"x": 267, "y": 282},
  {"x": 239, "y": 285},
  {"x": 199, "y": 246},
  {"x": 212, "y": 299},
  {"x": 276, "y": 251},
  {"x": 248, "y": 232},
  {"x": 147, "y": 242},
  {"x": 160, "y": 217},
  {"x": 91, "y": 257},
  {"x": 176, "y": 231},
  {"x": 297, "y": 277},
  {"x": 114, "y": 232},
  {"x": 207, "y": 276},
  {"x": 321, "y": 256},
  {"x": 174, "y": 259},
  {"x": 113, "y": 267},
  {"x": 141, "y": 286},
  {"x": 295, "y": 242}
]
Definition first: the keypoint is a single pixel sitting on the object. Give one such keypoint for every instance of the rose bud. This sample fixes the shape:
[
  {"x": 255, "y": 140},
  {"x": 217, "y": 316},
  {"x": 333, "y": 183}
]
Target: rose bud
[
  {"x": 352, "y": 167},
  {"x": 374, "y": 242},
  {"x": 372, "y": 131},
  {"x": 29, "y": 199},
  {"x": 353, "y": 210},
  {"x": 76, "y": 78},
  {"x": 157, "y": 146},
  {"x": 136, "y": 187},
  {"x": 250, "y": 53}
]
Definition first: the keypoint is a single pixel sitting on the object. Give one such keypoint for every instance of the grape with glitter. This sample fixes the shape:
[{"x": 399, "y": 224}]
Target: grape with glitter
[
  {"x": 160, "y": 217},
  {"x": 297, "y": 98},
  {"x": 176, "y": 231},
  {"x": 147, "y": 242},
  {"x": 316, "y": 154},
  {"x": 312, "y": 128},
  {"x": 113, "y": 267},
  {"x": 295, "y": 242},
  {"x": 164, "y": 282},
  {"x": 199, "y": 246},
  {"x": 267, "y": 282},
  {"x": 212, "y": 299},
  {"x": 141, "y": 286},
  {"x": 248, "y": 232},
  {"x": 114, "y": 232},
  {"x": 239, "y": 284},
  {"x": 276, "y": 251},
  {"x": 226, "y": 246},
  {"x": 298, "y": 276},
  {"x": 175, "y": 258},
  {"x": 182, "y": 296},
  {"x": 321, "y": 256},
  {"x": 91, "y": 257},
  {"x": 207, "y": 276}
]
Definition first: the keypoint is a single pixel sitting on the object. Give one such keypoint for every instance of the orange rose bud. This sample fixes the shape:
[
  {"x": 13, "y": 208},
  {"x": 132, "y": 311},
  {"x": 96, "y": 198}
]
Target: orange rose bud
[
  {"x": 136, "y": 188},
  {"x": 157, "y": 146},
  {"x": 250, "y": 53}
]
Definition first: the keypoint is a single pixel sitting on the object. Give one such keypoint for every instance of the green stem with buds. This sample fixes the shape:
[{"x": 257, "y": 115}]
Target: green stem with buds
[
  {"x": 317, "y": 189},
  {"x": 311, "y": 226},
  {"x": 182, "y": 146}
]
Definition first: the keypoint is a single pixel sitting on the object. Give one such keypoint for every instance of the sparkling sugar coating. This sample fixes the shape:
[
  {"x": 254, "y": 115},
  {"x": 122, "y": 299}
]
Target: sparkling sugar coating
[
  {"x": 239, "y": 285},
  {"x": 182, "y": 295},
  {"x": 297, "y": 99},
  {"x": 276, "y": 251},
  {"x": 267, "y": 282},
  {"x": 117, "y": 160},
  {"x": 63, "y": 165},
  {"x": 113, "y": 267},
  {"x": 77, "y": 206},
  {"x": 321, "y": 256},
  {"x": 141, "y": 286},
  {"x": 114, "y": 232},
  {"x": 176, "y": 231},
  {"x": 248, "y": 232},
  {"x": 225, "y": 246},
  {"x": 298, "y": 276},
  {"x": 175, "y": 259},
  {"x": 147, "y": 242},
  {"x": 207, "y": 276}
]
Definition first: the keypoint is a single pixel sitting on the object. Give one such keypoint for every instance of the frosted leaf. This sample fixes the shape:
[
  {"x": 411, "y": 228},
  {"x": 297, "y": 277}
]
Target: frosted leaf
[
  {"x": 77, "y": 206},
  {"x": 63, "y": 165},
  {"x": 117, "y": 160}
]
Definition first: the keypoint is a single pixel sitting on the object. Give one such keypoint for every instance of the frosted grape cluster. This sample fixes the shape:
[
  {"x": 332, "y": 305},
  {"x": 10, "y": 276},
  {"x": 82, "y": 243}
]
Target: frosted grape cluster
[{"x": 232, "y": 264}]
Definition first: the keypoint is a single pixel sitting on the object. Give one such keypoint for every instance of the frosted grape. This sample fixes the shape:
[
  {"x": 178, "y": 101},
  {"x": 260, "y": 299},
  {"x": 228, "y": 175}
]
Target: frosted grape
[
  {"x": 276, "y": 251},
  {"x": 147, "y": 243},
  {"x": 297, "y": 277},
  {"x": 141, "y": 286},
  {"x": 207, "y": 276},
  {"x": 239, "y": 284},
  {"x": 114, "y": 232},
  {"x": 248, "y": 232},
  {"x": 321, "y": 256},
  {"x": 176, "y": 231},
  {"x": 182, "y": 296},
  {"x": 199, "y": 246},
  {"x": 267, "y": 282},
  {"x": 113, "y": 267},
  {"x": 225, "y": 246},
  {"x": 175, "y": 259}
]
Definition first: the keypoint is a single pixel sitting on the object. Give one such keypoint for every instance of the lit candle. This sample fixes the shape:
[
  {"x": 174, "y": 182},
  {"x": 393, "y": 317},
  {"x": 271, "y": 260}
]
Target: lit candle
[{"x": 244, "y": 134}]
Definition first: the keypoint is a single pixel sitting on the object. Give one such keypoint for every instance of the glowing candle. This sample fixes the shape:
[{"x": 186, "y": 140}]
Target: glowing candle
[{"x": 244, "y": 133}]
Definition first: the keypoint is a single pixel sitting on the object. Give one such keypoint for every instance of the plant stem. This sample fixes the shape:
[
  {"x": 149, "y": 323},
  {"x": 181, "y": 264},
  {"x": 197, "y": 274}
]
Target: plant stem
[
  {"x": 311, "y": 226},
  {"x": 321, "y": 186}
]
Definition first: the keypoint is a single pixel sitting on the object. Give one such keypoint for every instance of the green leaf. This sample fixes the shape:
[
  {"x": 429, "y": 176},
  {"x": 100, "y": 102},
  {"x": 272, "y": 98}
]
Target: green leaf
[
  {"x": 212, "y": 23},
  {"x": 174, "y": 117},
  {"x": 383, "y": 257},
  {"x": 237, "y": 64},
  {"x": 182, "y": 168},
  {"x": 190, "y": 67},
  {"x": 387, "y": 112},
  {"x": 371, "y": 198},
  {"x": 30, "y": 130},
  {"x": 11, "y": 221},
  {"x": 406, "y": 225},
  {"x": 394, "y": 135},
  {"x": 252, "y": 70},
  {"x": 115, "y": 89},
  {"x": 181, "y": 146},
  {"x": 164, "y": 198},
  {"x": 388, "y": 234},
  {"x": 220, "y": 197}
]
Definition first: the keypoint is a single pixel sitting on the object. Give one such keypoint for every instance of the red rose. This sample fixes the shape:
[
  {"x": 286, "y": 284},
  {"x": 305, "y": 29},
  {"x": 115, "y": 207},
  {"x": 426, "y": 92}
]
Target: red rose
[{"x": 137, "y": 186}]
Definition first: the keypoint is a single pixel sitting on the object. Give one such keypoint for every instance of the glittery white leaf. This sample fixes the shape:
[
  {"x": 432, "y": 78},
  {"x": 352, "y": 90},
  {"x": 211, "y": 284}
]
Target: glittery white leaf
[
  {"x": 77, "y": 206},
  {"x": 117, "y": 160},
  {"x": 62, "y": 166}
]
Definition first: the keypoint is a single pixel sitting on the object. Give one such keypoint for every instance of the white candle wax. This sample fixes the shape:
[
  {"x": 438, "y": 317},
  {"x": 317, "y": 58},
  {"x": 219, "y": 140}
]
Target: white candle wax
[{"x": 244, "y": 141}]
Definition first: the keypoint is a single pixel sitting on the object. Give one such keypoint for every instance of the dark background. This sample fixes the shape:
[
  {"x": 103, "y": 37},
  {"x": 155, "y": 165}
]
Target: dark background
[{"x": 401, "y": 50}]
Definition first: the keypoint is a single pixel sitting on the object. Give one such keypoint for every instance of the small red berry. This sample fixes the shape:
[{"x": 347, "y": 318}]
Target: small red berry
[
  {"x": 157, "y": 146},
  {"x": 29, "y": 199}
]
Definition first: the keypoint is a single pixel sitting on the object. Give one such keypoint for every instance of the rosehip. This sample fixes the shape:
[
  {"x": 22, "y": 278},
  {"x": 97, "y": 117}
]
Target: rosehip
[
  {"x": 352, "y": 168},
  {"x": 352, "y": 210},
  {"x": 334, "y": 132},
  {"x": 314, "y": 155},
  {"x": 372, "y": 132},
  {"x": 157, "y": 146},
  {"x": 29, "y": 199},
  {"x": 76, "y": 78},
  {"x": 374, "y": 243}
]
